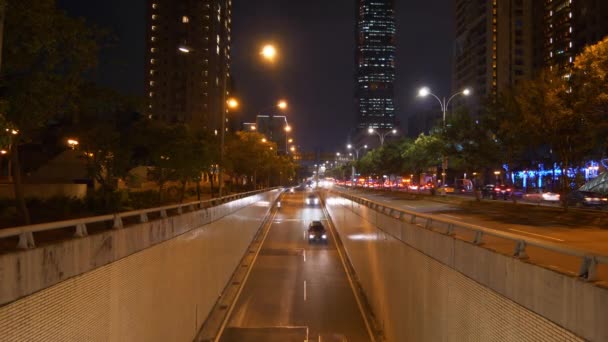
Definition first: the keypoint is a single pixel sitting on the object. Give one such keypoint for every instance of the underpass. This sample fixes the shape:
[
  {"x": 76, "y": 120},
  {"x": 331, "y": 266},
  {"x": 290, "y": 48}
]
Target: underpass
[
  {"x": 297, "y": 291},
  {"x": 386, "y": 273}
]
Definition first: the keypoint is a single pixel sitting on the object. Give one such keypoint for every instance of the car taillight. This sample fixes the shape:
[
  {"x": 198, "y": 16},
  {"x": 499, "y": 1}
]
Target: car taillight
[
  {"x": 496, "y": 189},
  {"x": 508, "y": 189}
]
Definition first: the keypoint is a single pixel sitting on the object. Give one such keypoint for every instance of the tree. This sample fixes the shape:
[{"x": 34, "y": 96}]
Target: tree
[
  {"x": 552, "y": 113},
  {"x": 46, "y": 54}
]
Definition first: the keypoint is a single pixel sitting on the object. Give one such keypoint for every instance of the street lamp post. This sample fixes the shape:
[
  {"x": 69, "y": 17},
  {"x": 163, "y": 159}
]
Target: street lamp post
[
  {"x": 353, "y": 170},
  {"x": 381, "y": 135},
  {"x": 424, "y": 92},
  {"x": 232, "y": 104}
]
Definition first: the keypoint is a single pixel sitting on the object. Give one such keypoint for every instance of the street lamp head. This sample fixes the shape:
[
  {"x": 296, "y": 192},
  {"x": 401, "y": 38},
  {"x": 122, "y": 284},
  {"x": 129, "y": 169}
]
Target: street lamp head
[
  {"x": 184, "y": 49},
  {"x": 282, "y": 104},
  {"x": 287, "y": 128},
  {"x": 394, "y": 131},
  {"x": 232, "y": 103},
  {"x": 292, "y": 149},
  {"x": 338, "y": 154},
  {"x": 73, "y": 143},
  {"x": 269, "y": 52},
  {"x": 290, "y": 140},
  {"x": 364, "y": 146},
  {"x": 253, "y": 128},
  {"x": 349, "y": 146},
  {"x": 370, "y": 130},
  {"x": 264, "y": 140},
  {"x": 424, "y": 91},
  {"x": 466, "y": 92},
  {"x": 3, "y": 151}
]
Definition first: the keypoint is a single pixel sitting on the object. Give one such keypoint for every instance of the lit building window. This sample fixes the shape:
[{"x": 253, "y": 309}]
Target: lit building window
[{"x": 185, "y": 19}]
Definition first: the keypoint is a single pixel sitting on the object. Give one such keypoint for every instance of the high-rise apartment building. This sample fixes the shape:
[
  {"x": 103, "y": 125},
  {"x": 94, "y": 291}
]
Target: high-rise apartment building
[
  {"x": 188, "y": 61},
  {"x": 494, "y": 48},
  {"x": 375, "y": 64},
  {"x": 501, "y": 42},
  {"x": 571, "y": 25}
]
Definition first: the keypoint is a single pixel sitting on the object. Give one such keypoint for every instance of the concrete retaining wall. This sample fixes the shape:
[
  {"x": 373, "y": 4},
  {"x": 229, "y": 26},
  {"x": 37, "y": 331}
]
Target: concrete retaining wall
[
  {"x": 425, "y": 286},
  {"x": 155, "y": 281}
]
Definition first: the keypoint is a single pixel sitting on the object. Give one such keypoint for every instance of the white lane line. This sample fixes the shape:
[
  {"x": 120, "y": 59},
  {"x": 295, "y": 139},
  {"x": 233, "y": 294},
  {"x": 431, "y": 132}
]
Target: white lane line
[
  {"x": 409, "y": 206},
  {"x": 304, "y": 290},
  {"x": 304, "y": 254},
  {"x": 451, "y": 216},
  {"x": 539, "y": 235},
  {"x": 319, "y": 338}
]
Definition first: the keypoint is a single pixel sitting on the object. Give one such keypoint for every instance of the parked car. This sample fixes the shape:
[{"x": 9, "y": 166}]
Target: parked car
[
  {"x": 316, "y": 232},
  {"x": 587, "y": 199}
]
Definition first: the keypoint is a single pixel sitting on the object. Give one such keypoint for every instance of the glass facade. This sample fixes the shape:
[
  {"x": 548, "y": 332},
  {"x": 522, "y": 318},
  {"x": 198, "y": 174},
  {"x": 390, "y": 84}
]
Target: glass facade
[{"x": 375, "y": 63}]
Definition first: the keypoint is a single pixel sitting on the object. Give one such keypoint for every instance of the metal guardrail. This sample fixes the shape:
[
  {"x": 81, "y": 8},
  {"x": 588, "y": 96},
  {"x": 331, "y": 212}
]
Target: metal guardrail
[
  {"x": 26, "y": 236},
  {"x": 589, "y": 261}
]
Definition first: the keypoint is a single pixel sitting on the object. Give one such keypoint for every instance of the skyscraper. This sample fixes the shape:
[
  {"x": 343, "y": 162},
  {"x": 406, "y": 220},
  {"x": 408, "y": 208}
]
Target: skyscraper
[
  {"x": 188, "y": 61},
  {"x": 375, "y": 63}
]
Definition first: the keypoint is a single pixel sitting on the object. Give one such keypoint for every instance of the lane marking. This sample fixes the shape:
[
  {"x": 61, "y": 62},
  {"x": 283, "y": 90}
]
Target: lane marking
[
  {"x": 304, "y": 254},
  {"x": 304, "y": 290},
  {"x": 409, "y": 206},
  {"x": 539, "y": 235}
]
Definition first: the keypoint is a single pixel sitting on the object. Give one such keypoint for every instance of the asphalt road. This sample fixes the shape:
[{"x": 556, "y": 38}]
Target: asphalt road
[{"x": 296, "y": 291}]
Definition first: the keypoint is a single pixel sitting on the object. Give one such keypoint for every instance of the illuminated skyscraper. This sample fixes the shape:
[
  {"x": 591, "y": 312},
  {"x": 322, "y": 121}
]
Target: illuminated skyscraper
[
  {"x": 188, "y": 61},
  {"x": 375, "y": 64}
]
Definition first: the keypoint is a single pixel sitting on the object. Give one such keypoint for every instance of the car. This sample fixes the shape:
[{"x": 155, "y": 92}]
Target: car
[
  {"x": 487, "y": 191},
  {"x": 312, "y": 200},
  {"x": 502, "y": 191},
  {"x": 316, "y": 232},
  {"x": 587, "y": 199}
]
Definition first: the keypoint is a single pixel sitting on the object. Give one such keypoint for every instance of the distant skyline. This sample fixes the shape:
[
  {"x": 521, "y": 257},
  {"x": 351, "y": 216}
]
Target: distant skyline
[{"x": 316, "y": 71}]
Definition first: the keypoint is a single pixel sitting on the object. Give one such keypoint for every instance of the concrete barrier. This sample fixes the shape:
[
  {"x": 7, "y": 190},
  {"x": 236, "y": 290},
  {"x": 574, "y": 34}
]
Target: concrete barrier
[
  {"x": 154, "y": 281},
  {"x": 426, "y": 286}
]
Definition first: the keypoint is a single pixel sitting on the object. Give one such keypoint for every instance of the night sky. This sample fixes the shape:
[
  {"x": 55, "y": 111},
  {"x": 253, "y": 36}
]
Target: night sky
[{"x": 316, "y": 69}]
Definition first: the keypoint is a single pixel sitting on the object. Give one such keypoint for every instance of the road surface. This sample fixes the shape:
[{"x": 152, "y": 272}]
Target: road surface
[{"x": 296, "y": 291}]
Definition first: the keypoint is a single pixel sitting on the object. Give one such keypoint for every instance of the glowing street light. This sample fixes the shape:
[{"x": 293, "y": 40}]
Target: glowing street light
[
  {"x": 264, "y": 140},
  {"x": 3, "y": 151},
  {"x": 282, "y": 104},
  {"x": 184, "y": 49},
  {"x": 73, "y": 143},
  {"x": 269, "y": 52},
  {"x": 292, "y": 149},
  {"x": 381, "y": 135},
  {"x": 252, "y": 127},
  {"x": 232, "y": 103},
  {"x": 290, "y": 140},
  {"x": 287, "y": 128}
]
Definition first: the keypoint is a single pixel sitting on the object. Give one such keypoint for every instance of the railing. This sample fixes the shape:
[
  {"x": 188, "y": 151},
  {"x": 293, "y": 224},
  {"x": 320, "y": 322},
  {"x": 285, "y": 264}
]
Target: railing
[
  {"x": 26, "y": 233},
  {"x": 588, "y": 264}
]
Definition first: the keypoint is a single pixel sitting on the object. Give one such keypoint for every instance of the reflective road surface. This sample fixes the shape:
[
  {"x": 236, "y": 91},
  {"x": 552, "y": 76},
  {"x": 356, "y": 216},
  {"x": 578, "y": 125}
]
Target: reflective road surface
[{"x": 296, "y": 291}]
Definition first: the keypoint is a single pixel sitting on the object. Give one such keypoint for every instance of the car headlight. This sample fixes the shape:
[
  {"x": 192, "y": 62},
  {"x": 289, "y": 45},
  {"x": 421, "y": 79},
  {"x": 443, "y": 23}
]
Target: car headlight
[
  {"x": 307, "y": 201},
  {"x": 311, "y": 236},
  {"x": 324, "y": 236},
  {"x": 316, "y": 201}
]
